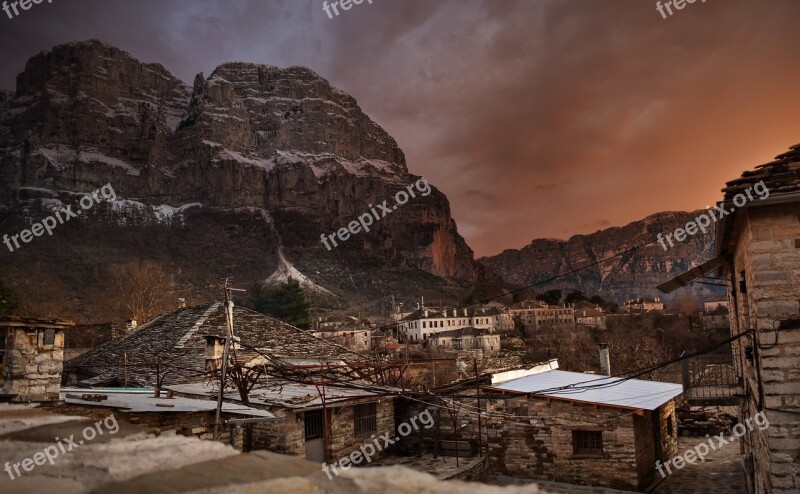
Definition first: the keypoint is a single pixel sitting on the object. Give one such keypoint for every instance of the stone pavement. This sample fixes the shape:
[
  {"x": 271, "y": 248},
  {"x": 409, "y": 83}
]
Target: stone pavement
[
  {"x": 722, "y": 471},
  {"x": 553, "y": 487}
]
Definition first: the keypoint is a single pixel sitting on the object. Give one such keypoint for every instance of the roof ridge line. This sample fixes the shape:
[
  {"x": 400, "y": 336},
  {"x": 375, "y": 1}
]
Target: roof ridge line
[{"x": 196, "y": 326}]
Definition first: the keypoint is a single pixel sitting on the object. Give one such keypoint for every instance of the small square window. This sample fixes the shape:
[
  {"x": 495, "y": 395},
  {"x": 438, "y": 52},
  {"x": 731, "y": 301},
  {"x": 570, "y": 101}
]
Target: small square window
[{"x": 587, "y": 442}]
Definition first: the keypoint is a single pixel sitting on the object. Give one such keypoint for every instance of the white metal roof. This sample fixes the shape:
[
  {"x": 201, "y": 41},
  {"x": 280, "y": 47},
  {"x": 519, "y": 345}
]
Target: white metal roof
[{"x": 633, "y": 393}]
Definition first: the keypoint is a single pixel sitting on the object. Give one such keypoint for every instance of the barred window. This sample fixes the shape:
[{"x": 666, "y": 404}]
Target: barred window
[
  {"x": 587, "y": 442},
  {"x": 365, "y": 419},
  {"x": 313, "y": 424}
]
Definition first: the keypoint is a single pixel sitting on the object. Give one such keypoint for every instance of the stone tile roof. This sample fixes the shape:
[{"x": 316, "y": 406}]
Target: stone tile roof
[
  {"x": 780, "y": 176},
  {"x": 438, "y": 313},
  {"x": 460, "y": 333},
  {"x": 177, "y": 341}
]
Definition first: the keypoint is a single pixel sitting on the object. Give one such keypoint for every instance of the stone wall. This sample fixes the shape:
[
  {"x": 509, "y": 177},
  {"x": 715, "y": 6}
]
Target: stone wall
[
  {"x": 343, "y": 440},
  {"x": 281, "y": 436},
  {"x": 768, "y": 251},
  {"x": 33, "y": 369},
  {"x": 534, "y": 440}
]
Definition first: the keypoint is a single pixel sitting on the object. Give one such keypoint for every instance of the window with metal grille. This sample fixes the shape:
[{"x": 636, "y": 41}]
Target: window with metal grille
[
  {"x": 49, "y": 337},
  {"x": 313, "y": 422},
  {"x": 587, "y": 442},
  {"x": 365, "y": 419}
]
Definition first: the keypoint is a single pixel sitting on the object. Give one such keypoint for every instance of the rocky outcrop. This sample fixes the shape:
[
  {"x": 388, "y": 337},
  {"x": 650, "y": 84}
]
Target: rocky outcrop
[
  {"x": 249, "y": 138},
  {"x": 632, "y": 275}
]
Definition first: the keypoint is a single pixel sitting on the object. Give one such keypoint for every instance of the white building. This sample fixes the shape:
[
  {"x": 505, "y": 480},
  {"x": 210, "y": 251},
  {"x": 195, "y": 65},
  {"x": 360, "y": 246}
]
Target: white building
[{"x": 422, "y": 323}]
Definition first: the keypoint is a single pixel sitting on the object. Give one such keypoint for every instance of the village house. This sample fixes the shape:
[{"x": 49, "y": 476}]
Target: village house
[
  {"x": 644, "y": 304},
  {"x": 182, "y": 350},
  {"x": 358, "y": 340},
  {"x": 610, "y": 434},
  {"x": 590, "y": 315},
  {"x": 31, "y": 358},
  {"x": 537, "y": 317},
  {"x": 758, "y": 256},
  {"x": 422, "y": 323},
  {"x": 487, "y": 341}
]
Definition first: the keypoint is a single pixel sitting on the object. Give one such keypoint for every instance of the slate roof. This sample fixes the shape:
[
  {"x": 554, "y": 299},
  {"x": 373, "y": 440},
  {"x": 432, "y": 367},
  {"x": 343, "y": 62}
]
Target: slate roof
[
  {"x": 177, "y": 341},
  {"x": 448, "y": 313},
  {"x": 633, "y": 393},
  {"x": 286, "y": 394},
  {"x": 782, "y": 175},
  {"x": 460, "y": 333}
]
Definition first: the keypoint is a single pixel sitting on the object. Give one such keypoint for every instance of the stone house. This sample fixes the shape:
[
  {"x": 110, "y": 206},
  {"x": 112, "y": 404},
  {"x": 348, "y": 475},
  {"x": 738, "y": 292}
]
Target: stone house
[
  {"x": 466, "y": 339},
  {"x": 537, "y": 317},
  {"x": 31, "y": 358},
  {"x": 320, "y": 425},
  {"x": 644, "y": 304},
  {"x": 183, "y": 349},
  {"x": 758, "y": 257},
  {"x": 358, "y": 340},
  {"x": 611, "y": 435}
]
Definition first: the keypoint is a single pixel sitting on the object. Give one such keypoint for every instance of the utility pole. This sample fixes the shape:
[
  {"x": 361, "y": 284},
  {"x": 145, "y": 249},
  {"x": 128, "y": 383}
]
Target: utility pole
[{"x": 225, "y": 353}]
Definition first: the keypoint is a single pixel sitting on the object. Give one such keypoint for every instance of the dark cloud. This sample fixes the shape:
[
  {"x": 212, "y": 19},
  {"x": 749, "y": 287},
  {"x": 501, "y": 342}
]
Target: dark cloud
[{"x": 533, "y": 116}]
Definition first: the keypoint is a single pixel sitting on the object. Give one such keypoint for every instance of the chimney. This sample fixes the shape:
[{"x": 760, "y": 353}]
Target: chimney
[
  {"x": 181, "y": 303},
  {"x": 131, "y": 325},
  {"x": 465, "y": 312},
  {"x": 454, "y": 312},
  {"x": 215, "y": 346},
  {"x": 426, "y": 313},
  {"x": 605, "y": 361}
]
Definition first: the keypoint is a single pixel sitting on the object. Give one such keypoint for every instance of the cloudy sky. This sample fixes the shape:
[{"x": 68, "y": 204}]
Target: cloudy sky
[{"x": 537, "y": 118}]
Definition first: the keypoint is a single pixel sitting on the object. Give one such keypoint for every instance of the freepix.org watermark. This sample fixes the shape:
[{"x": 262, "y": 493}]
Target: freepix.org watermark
[
  {"x": 59, "y": 217},
  {"x": 23, "y": 4},
  {"x": 365, "y": 220},
  {"x": 368, "y": 450},
  {"x": 705, "y": 220},
  {"x": 701, "y": 450},
  {"x": 61, "y": 447},
  {"x": 344, "y": 4},
  {"x": 678, "y": 4}
]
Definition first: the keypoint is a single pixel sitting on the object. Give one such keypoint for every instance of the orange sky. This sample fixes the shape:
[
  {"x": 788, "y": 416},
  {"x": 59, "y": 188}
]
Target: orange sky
[{"x": 537, "y": 118}]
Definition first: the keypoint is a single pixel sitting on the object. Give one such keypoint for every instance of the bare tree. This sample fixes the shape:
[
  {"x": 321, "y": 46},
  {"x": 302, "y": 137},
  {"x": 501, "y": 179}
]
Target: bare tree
[{"x": 142, "y": 287}]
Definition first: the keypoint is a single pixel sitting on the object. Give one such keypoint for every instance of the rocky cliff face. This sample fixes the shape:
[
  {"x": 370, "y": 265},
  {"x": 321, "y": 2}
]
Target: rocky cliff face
[
  {"x": 277, "y": 150},
  {"x": 629, "y": 276}
]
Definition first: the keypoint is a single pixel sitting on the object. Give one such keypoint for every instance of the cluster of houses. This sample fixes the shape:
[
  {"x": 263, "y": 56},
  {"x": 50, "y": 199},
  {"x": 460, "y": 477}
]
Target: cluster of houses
[{"x": 305, "y": 393}]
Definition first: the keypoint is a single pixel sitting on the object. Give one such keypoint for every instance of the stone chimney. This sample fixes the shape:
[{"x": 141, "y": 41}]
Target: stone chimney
[
  {"x": 131, "y": 325},
  {"x": 605, "y": 360},
  {"x": 181, "y": 303},
  {"x": 215, "y": 346},
  {"x": 465, "y": 312},
  {"x": 455, "y": 312}
]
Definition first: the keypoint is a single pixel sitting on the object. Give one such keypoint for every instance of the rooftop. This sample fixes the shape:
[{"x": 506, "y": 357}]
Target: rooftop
[{"x": 631, "y": 393}]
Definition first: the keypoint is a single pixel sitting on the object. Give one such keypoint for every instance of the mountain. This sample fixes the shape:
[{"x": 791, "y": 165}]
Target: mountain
[
  {"x": 632, "y": 275},
  {"x": 236, "y": 175}
]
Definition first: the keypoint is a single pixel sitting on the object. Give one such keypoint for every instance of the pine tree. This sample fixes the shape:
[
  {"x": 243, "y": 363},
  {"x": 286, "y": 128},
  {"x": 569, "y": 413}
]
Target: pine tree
[{"x": 287, "y": 303}]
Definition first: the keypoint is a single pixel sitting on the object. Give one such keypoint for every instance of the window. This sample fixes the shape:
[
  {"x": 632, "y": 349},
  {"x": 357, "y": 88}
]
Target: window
[
  {"x": 365, "y": 419},
  {"x": 423, "y": 324},
  {"x": 669, "y": 425},
  {"x": 313, "y": 425},
  {"x": 49, "y": 337},
  {"x": 587, "y": 442}
]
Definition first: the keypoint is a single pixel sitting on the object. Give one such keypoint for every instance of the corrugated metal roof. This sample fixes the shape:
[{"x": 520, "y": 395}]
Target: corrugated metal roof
[{"x": 633, "y": 393}]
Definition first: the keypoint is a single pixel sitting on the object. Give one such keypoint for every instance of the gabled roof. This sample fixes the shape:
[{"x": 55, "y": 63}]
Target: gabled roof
[
  {"x": 631, "y": 393},
  {"x": 178, "y": 339}
]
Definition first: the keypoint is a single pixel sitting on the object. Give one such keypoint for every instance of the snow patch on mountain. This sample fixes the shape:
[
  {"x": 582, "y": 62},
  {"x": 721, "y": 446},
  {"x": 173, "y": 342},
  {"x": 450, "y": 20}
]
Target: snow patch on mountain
[{"x": 286, "y": 270}]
